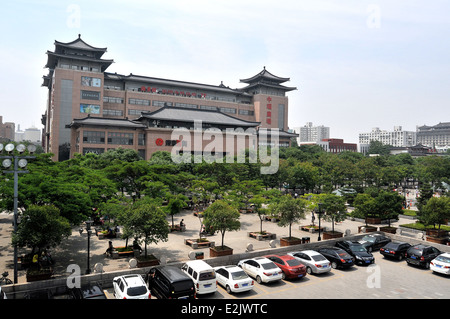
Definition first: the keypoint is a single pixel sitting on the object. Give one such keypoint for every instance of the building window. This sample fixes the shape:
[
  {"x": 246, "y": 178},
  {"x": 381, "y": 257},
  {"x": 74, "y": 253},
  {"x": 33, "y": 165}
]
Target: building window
[
  {"x": 135, "y": 112},
  {"x": 111, "y": 99},
  {"x": 246, "y": 112},
  {"x": 208, "y": 107},
  {"x": 93, "y": 137},
  {"x": 227, "y": 110},
  {"x": 112, "y": 112},
  {"x": 90, "y": 81},
  {"x": 162, "y": 103},
  {"x": 139, "y": 102},
  {"x": 97, "y": 151},
  {"x": 141, "y": 139},
  {"x": 186, "y": 105},
  {"x": 120, "y": 138}
]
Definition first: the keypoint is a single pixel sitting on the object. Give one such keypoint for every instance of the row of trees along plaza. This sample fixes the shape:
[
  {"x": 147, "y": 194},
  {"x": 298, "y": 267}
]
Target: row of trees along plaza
[{"x": 142, "y": 195}]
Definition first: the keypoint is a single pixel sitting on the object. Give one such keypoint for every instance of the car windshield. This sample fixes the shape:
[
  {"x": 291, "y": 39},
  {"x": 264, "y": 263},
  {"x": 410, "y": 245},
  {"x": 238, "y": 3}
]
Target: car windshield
[
  {"x": 443, "y": 259},
  {"x": 293, "y": 262},
  {"x": 357, "y": 248},
  {"x": 207, "y": 275},
  {"x": 136, "y": 291},
  {"x": 318, "y": 257},
  {"x": 368, "y": 238},
  {"x": 269, "y": 266},
  {"x": 238, "y": 275}
]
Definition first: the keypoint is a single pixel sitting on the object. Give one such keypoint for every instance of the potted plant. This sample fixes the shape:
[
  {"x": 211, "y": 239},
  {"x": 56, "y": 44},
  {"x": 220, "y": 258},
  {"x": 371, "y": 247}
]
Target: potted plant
[{"x": 222, "y": 217}]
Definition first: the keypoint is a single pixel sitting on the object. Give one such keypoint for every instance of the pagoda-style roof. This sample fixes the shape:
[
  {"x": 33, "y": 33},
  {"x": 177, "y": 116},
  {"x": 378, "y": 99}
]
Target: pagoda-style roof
[
  {"x": 77, "y": 50},
  {"x": 105, "y": 122},
  {"x": 265, "y": 75},
  {"x": 208, "y": 117},
  {"x": 266, "y": 79}
]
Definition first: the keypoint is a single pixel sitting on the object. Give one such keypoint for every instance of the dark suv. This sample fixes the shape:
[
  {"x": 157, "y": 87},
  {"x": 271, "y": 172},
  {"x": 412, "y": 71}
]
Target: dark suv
[
  {"x": 357, "y": 251},
  {"x": 169, "y": 282},
  {"x": 421, "y": 255}
]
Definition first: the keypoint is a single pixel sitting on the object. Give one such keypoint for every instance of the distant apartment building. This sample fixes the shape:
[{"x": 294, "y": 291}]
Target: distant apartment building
[
  {"x": 6, "y": 130},
  {"x": 32, "y": 134},
  {"x": 396, "y": 138},
  {"x": 436, "y": 137},
  {"x": 337, "y": 145},
  {"x": 309, "y": 134}
]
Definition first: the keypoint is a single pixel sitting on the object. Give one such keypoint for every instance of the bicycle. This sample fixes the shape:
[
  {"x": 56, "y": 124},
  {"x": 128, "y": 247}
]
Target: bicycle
[{"x": 5, "y": 280}]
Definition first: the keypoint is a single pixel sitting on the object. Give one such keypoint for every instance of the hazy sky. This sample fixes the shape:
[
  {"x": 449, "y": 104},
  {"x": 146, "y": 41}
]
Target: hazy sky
[{"x": 356, "y": 64}]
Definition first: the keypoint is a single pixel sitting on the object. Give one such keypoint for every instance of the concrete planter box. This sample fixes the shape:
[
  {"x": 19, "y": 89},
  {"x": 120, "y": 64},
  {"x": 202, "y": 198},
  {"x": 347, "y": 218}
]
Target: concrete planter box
[
  {"x": 285, "y": 241},
  {"x": 263, "y": 236},
  {"x": 219, "y": 251},
  {"x": 312, "y": 229},
  {"x": 331, "y": 234},
  {"x": 195, "y": 244}
]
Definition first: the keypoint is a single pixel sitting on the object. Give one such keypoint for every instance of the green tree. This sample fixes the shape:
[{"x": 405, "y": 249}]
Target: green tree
[
  {"x": 175, "y": 204},
  {"x": 223, "y": 217},
  {"x": 334, "y": 207},
  {"x": 364, "y": 206},
  {"x": 146, "y": 222},
  {"x": 289, "y": 210},
  {"x": 40, "y": 227},
  {"x": 436, "y": 211}
]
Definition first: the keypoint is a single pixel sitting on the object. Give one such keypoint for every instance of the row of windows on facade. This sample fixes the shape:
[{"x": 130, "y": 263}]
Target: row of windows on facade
[{"x": 114, "y": 138}]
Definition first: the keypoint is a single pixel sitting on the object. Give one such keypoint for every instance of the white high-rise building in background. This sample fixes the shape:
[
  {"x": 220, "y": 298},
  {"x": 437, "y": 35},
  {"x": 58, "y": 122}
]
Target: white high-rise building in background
[
  {"x": 309, "y": 134},
  {"x": 396, "y": 138}
]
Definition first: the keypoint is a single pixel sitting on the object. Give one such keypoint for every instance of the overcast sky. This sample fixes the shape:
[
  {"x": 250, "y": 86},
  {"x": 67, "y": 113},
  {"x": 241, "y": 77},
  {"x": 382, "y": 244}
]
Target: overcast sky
[{"x": 356, "y": 64}]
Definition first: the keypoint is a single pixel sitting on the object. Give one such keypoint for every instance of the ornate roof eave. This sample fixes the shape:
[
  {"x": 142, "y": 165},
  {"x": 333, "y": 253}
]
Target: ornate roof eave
[
  {"x": 105, "y": 122},
  {"x": 52, "y": 60},
  {"x": 75, "y": 44},
  {"x": 280, "y": 87},
  {"x": 265, "y": 74},
  {"x": 168, "y": 82}
]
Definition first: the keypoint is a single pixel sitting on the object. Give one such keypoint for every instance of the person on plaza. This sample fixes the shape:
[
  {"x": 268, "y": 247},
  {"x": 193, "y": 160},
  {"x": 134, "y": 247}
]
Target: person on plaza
[{"x": 110, "y": 249}]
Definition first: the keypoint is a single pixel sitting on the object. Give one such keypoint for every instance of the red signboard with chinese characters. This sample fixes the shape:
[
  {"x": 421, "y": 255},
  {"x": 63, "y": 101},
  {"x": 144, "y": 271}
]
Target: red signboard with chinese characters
[{"x": 269, "y": 113}]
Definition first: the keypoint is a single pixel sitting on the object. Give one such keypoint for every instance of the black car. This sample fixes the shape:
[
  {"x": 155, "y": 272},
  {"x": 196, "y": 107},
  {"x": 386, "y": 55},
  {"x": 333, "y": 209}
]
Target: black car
[
  {"x": 421, "y": 255},
  {"x": 169, "y": 282},
  {"x": 374, "y": 242},
  {"x": 395, "y": 250},
  {"x": 338, "y": 257},
  {"x": 93, "y": 291},
  {"x": 360, "y": 255}
]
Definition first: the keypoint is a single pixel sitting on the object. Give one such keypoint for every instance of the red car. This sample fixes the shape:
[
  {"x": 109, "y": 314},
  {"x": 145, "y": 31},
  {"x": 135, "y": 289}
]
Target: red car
[{"x": 291, "y": 267}]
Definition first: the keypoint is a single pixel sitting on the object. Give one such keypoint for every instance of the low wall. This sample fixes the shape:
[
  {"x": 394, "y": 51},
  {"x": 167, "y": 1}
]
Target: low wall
[{"x": 58, "y": 285}]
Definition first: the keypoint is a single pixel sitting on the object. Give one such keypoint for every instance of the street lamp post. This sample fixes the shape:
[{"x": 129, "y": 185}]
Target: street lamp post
[
  {"x": 20, "y": 162},
  {"x": 89, "y": 233},
  {"x": 320, "y": 213}
]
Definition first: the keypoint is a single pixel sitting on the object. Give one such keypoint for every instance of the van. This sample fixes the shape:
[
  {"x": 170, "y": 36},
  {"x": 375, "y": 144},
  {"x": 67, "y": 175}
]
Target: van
[
  {"x": 202, "y": 274},
  {"x": 169, "y": 282}
]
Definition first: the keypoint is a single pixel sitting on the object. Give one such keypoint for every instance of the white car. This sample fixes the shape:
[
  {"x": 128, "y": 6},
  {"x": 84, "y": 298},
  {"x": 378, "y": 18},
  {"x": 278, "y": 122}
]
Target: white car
[
  {"x": 262, "y": 269},
  {"x": 315, "y": 262},
  {"x": 233, "y": 279},
  {"x": 130, "y": 287},
  {"x": 441, "y": 264}
]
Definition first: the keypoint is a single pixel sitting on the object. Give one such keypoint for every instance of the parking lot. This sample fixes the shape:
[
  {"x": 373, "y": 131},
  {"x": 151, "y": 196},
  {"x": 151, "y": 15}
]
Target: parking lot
[{"x": 386, "y": 279}]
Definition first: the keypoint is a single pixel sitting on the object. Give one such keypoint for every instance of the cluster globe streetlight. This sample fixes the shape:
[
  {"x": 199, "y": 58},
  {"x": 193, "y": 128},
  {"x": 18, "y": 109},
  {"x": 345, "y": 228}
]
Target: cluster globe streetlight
[{"x": 16, "y": 164}]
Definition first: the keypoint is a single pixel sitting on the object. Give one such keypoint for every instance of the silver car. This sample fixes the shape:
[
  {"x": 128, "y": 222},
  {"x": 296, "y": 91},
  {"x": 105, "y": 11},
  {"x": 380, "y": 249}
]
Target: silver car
[{"x": 315, "y": 262}]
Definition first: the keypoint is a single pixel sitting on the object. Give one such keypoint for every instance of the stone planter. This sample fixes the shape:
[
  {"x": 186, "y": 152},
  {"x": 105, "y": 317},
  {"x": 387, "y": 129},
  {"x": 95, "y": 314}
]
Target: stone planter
[
  {"x": 146, "y": 262},
  {"x": 220, "y": 251},
  {"x": 367, "y": 229},
  {"x": 196, "y": 244},
  {"x": 331, "y": 234},
  {"x": 312, "y": 229},
  {"x": 373, "y": 220},
  {"x": 261, "y": 236},
  {"x": 390, "y": 230},
  {"x": 286, "y": 241},
  {"x": 437, "y": 240},
  {"x": 36, "y": 274}
]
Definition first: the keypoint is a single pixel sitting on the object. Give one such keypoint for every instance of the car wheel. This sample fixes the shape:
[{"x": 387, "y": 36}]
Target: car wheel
[
  {"x": 283, "y": 275},
  {"x": 400, "y": 257},
  {"x": 309, "y": 270},
  {"x": 228, "y": 289},
  {"x": 334, "y": 265},
  {"x": 369, "y": 249},
  {"x": 258, "y": 279},
  {"x": 427, "y": 265}
]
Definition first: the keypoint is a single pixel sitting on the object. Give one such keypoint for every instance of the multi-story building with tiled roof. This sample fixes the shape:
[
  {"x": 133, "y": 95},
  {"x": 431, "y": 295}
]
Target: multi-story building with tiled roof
[
  {"x": 91, "y": 110},
  {"x": 436, "y": 137}
]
